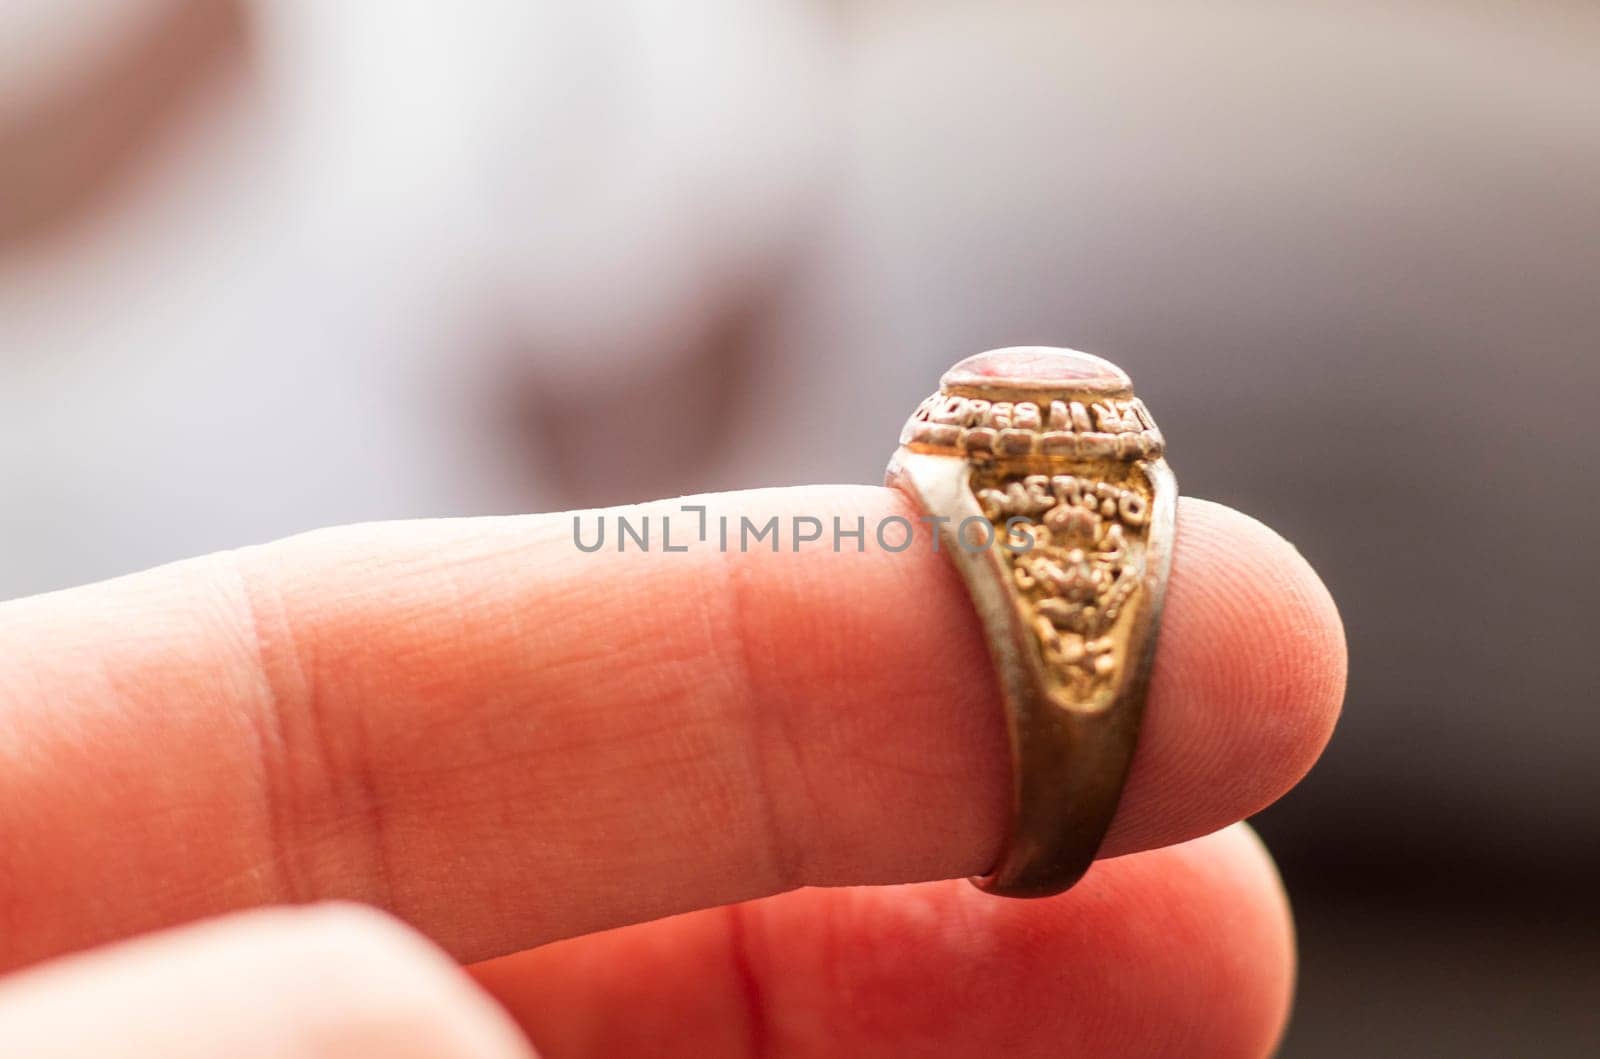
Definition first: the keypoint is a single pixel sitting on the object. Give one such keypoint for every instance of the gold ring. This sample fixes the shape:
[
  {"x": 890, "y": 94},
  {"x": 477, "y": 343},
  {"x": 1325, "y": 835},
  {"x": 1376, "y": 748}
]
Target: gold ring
[{"x": 1043, "y": 476}]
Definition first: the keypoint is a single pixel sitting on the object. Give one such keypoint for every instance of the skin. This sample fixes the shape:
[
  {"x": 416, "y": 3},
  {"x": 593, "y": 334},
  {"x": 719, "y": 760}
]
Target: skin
[{"x": 503, "y": 743}]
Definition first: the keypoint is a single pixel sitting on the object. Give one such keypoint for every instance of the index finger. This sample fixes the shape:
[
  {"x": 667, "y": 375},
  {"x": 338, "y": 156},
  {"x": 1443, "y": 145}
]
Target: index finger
[{"x": 505, "y": 740}]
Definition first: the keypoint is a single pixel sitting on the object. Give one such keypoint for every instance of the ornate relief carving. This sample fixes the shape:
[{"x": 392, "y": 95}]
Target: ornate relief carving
[
  {"x": 1108, "y": 428},
  {"x": 1074, "y": 547}
]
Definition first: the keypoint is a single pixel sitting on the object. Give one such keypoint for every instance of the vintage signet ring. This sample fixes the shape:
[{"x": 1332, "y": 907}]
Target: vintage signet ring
[{"x": 1043, "y": 475}]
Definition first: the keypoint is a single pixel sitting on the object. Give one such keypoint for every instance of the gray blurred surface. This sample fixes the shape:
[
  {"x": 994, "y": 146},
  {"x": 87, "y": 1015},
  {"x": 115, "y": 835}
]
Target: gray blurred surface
[{"x": 1349, "y": 252}]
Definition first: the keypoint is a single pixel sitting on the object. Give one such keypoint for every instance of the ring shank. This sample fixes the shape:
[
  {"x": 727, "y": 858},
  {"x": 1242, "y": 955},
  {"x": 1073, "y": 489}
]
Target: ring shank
[{"x": 1070, "y": 750}]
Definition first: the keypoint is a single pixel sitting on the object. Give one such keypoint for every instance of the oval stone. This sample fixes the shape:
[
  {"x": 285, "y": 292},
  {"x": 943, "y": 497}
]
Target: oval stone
[{"x": 1037, "y": 369}]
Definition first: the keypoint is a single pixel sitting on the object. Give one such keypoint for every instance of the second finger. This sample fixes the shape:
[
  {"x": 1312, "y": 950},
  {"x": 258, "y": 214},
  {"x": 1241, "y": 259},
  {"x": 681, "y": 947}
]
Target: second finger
[{"x": 1184, "y": 951}]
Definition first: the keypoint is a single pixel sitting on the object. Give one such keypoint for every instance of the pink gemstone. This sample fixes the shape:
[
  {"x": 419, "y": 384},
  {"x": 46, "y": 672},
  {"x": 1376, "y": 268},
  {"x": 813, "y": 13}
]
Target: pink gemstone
[{"x": 1041, "y": 368}]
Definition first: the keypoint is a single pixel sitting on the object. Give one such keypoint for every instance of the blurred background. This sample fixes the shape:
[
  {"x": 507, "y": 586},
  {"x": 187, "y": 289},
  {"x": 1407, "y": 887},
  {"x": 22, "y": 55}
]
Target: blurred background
[{"x": 271, "y": 265}]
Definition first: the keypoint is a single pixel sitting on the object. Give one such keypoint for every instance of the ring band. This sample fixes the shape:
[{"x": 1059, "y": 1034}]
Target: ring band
[{"x": 1044, "y": 476}]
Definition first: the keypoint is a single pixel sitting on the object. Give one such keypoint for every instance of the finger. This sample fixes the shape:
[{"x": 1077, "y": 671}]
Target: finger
[
  {"x": 505, "y": 740},
  {"x": 326, "y": 983},
  {"x": 1180, "y": 951}
]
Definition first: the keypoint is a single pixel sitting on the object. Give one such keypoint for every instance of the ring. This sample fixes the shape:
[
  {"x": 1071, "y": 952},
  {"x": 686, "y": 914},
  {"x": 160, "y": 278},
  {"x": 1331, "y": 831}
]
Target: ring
[{"x": 1043, "y": 477}]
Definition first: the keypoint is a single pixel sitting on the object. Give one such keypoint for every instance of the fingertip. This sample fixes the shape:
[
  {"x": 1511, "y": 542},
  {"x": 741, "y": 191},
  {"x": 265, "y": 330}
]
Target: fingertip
[
  {"x": 1235, "y": 915},
  {"x": 1248, "y": 681},
  {"x": 322, "y": 980},
  {"x": 1278, "y": 588},
  {"x": 1185, "y": 950}
]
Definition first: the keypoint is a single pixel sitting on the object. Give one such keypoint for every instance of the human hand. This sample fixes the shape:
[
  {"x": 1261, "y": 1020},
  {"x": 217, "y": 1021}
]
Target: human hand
[{"x": 504, "y": 742}]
